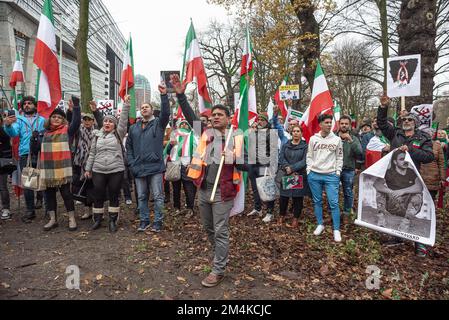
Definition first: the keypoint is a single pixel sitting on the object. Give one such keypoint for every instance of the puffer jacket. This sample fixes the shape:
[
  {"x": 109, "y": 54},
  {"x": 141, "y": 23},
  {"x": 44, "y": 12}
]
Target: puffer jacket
[
  {"x": 435, "y": 172},
  {"x": 106, "y": 152},
  {"x": 419, "y": 145}
]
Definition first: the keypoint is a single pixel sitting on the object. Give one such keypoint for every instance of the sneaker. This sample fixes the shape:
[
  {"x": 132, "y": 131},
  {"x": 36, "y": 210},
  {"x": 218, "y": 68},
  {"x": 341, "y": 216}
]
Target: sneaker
[
  {"x": 144, "y": 226},
  {"x": 337, "y": 236},
  {"x": 254, "y": 212},
  {"x": 319, "y": 230},
  {"x": 129, "y": 202},
  {"x": 78, "y": 203},
  {"x": 156, "y": 228},
  {"x": 29, "y": 217},
  {"x": 212, "y": 280},
  {"x": 269, "y": 218},
  {"x": 6, "y": 214}
]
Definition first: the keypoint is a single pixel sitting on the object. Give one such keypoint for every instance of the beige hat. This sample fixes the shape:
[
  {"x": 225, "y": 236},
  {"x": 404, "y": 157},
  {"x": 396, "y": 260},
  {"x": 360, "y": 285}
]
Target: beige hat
[{"x": 87, "y": 115}]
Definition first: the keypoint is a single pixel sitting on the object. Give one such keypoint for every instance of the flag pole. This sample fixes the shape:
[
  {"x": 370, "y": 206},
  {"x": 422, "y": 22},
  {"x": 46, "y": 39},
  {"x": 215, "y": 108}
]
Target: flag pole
[{"x": 217, "y": 179}]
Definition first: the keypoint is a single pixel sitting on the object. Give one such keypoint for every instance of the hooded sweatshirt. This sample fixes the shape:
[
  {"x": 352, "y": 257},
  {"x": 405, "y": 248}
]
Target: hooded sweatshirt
[{"x": 325, "y": 155}]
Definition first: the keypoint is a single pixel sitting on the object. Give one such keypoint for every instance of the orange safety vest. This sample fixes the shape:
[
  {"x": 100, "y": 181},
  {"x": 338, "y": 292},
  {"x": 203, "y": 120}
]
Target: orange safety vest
[{"x": 196, "y": 170}]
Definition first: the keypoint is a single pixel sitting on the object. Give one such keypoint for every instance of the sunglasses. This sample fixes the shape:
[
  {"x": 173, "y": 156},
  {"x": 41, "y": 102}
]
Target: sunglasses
[{"x": 407, "y": 119}]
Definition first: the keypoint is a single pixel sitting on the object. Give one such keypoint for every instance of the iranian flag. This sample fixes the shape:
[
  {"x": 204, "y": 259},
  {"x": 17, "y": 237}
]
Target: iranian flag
[
  {"x": 194, "y": 71},
  {"x": 17, "y": 73},
  {"x": 45, "y": 58},
  {"x": 337, "y": 116},
  {"x": 281, "y": 104},
  {"x": 127, "y": 80},
  {"x": 374, "y": 150},
  {"x": 245, "y": 111},
  {"x": 321, "y": 103}
]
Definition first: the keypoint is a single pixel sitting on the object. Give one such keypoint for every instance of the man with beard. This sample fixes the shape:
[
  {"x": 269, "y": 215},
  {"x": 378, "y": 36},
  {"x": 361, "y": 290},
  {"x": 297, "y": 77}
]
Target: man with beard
[
  {"x": 28, "y": 128},
  {"x": 352, "y": 151},
  {"x": 407, "y": 138}
]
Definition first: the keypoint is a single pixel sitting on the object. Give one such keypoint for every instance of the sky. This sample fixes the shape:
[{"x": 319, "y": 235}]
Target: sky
[{"x": 159, "y": 29}]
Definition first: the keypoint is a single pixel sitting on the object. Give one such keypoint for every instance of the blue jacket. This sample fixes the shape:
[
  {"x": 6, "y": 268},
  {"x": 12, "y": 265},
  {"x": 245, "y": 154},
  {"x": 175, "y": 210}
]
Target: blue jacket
[
  {"x": 280, "y": 129},
  {"x": 145, "y": 146},
  {"x": 24, "y": 128}
]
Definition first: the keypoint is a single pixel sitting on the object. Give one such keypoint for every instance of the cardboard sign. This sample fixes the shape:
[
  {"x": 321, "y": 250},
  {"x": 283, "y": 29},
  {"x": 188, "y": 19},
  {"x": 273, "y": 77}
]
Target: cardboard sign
[
  {"x": 289, "y": 92},
  {"x": 106, "y": 107},
  {"x": 404, "y": 76},
  {"x": 424, "y": 113}
]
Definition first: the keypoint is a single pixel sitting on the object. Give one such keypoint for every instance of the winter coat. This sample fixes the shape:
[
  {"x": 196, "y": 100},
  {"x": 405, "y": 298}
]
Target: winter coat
[
  {"x": 24, "y": 128},
  {"x": 295, "y": 157},
  {"x": 419, "y": 145},
  {"x": 435, "y": 172},
  {"x": 106, "y": 153},
  {"x": 145, "y": 146}
]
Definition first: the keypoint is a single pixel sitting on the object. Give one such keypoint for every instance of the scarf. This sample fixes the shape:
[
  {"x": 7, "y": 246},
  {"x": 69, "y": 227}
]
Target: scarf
[
  {"x": 56, "y": 158},
  {"x": 82, "y": 149}
]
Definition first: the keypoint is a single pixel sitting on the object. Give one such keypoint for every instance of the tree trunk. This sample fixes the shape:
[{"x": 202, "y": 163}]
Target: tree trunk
[
  {"x": 310, "y": 48},
  {"x": 82, "y": 56},
  {"x": 417, "y": 33},
  {"x": 382, "y": 5}
]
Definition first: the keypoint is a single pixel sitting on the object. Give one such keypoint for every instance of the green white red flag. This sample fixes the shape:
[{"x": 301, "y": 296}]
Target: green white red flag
[
  {"x": 49, "y": 91},
  {"x": 321, "y": 103},
  {"x": 127, "y": 80},
  {"x": 194, "y": 71},
  {"x": 17, "y": 73}
]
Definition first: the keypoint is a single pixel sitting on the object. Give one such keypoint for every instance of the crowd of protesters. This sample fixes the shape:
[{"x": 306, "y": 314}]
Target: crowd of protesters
[{"x": 85, "y": 155}]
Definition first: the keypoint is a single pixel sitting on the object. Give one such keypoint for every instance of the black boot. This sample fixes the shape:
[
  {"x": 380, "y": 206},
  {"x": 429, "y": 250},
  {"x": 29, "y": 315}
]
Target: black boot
[
  {"x": 97, "y": 220},
  {"x": 113, "y": 222}
]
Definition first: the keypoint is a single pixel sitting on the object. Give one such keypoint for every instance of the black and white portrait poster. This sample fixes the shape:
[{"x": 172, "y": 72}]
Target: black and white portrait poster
[
  {"x": 404, "y": 76},
  {"x": 394, "y": 200}
]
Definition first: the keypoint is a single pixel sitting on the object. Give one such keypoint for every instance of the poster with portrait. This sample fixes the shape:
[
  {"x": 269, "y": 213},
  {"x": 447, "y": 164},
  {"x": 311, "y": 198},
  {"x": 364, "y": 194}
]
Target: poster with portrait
[
  {"x": 289, "y": 92},
  {"x": 165, "y": 76},
  {"x": 393, "y": 199},
  {"x": 404, "y": 76},
  {"x": 424, "y": 113},
  {"x": 106, "y": 107}
]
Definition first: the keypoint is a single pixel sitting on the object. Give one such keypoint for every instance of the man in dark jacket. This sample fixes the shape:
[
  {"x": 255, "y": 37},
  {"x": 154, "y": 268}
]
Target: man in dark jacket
[
  {"x": 145, "y": 158},
  {"x": 408, "y": 139}
]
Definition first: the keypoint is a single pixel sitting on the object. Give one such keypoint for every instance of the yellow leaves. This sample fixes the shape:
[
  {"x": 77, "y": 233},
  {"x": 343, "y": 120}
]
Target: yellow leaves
[
  {"x": 99, "y": 277},
  {"x": 181, "y": 279}
]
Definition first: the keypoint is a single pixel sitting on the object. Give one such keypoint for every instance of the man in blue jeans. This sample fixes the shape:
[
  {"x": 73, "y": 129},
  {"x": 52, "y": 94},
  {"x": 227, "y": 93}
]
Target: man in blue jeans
[
  {"x": 324, "y": 167},
  {"x": 144, "y": 148},
  {"x": 28, "y": 128},
  {"x": 352, "y": 151}
]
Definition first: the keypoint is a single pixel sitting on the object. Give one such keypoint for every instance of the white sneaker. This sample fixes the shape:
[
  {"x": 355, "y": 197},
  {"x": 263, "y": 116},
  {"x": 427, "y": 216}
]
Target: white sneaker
[
  {"x": 254, "y": 212},
  {"x": 337, "y": 236},
  {"x": 269, "y": 218},
  {"x": 129, "y": 202},
  {"x": 78, "y": 203},
  {"x": 6, "y": 214},
  {"x": 319, "y": 230}
]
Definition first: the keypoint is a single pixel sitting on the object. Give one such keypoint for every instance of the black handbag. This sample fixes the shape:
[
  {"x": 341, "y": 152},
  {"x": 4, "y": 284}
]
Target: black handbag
[
  {"x": 80, "y": 196},
  {"x": 8, "y": 165}
]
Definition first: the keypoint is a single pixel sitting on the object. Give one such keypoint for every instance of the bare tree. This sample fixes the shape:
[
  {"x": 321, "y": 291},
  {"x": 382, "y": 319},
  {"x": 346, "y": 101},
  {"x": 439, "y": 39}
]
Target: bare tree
[{"x": 221, "y": 47}]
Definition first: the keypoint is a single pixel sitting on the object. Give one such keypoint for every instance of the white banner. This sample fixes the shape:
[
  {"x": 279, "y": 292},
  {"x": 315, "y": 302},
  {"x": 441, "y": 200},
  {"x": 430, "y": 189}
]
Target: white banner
[
  {"x": 289, "y": 92},
  {"x": 394, "y": 199},
  {"x": 425, "y": 114},
  {"x": 404, "y": 76},
  {"x": 106, "y": 107}
]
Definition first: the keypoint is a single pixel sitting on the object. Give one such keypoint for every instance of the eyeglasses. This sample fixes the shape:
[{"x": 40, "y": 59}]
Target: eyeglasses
[
  {"x": 407, "y": 119},
  {"x": 57, "y": 117}
]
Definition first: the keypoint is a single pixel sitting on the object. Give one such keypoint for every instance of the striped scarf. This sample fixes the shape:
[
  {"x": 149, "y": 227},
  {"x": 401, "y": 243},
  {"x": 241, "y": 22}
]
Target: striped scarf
[
  {"x": 56, "y": 158},
  {"x": 86, "y": 136}
]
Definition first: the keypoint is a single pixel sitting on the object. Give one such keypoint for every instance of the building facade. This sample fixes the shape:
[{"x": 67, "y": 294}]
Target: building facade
[
  {"x": 143, "y": 90},
  {"x": 19, "y": 22}
]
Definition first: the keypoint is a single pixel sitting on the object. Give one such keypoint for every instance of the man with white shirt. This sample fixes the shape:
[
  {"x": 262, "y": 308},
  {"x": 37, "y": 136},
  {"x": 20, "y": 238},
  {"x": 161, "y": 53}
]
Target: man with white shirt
[{"x": 324, "y": 167}]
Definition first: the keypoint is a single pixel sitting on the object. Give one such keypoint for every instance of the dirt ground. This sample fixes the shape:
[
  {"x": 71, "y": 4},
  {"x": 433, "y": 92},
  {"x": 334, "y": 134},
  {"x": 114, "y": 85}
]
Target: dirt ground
[{"x": 269, "y": 262}]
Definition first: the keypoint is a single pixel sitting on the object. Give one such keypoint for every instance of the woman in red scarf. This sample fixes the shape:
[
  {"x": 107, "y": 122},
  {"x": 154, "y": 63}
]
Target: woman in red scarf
[{"x": 56, "y": 162}]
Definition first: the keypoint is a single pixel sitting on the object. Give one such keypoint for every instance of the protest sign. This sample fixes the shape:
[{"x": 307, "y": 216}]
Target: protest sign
[
  {"x": 404, "y": 76},
  {"x": 394, "y": 199},
  {"x": 106, "y": 107},
  {"x": 424, "y": 113},
  {"x": 292, "y": 183},
  {"x": 293, "y": 115},
  {"x": 289, "y": 92},
  {"x": 165, "y": 76}
]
